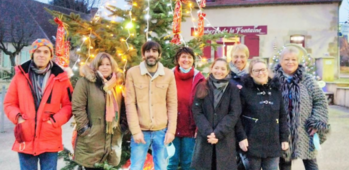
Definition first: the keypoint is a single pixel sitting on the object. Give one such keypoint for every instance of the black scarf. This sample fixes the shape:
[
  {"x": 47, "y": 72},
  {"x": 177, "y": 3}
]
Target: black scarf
[
  {"x": 291, "y": 96},
  {"x": 219, "y": 87},
  {"x": 39, "y": 80}
]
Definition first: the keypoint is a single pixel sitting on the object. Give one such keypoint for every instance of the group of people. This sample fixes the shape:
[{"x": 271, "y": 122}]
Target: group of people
[{"x": 238, "y": 111}]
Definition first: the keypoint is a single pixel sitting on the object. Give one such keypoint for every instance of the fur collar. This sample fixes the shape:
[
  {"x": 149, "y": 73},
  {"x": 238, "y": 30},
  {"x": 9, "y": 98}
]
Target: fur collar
[
  {"x": 247, "y": 81},
  {"x": 87, "y": 72}
]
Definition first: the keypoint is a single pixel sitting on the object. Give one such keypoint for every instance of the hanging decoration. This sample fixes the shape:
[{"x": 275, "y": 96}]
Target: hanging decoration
[
  {"x": 67, "y": 54},
  {"x": 177, "y": 20},
  {"x": 200, "y": 31},
  {"x": 62, "y": 46},
  {"x": 203, "y": 3}
]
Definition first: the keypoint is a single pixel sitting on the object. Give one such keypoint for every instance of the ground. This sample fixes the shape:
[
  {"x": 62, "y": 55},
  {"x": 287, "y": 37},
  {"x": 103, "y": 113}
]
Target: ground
[{"x": 334, "y": 153}]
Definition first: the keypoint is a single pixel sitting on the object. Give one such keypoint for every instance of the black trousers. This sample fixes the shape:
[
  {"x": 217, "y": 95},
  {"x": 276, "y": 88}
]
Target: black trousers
[
  {"x": 93, "y": 168},
  {"x": 255, "y": 163},
  {"x": 310, "y": 164}
]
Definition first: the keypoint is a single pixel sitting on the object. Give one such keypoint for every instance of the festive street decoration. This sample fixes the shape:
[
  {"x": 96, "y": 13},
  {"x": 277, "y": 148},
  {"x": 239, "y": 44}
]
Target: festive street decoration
[
  {"x": 62, "y": 46},
  {"x": 177, "y": 20},
  {"x": 203, "y": 3},
  {"x": 201, "y": 26}
]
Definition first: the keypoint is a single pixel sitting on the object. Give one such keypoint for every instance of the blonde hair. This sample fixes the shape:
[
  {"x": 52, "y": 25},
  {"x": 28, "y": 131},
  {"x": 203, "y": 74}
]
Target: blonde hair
[
  {"x": 241, "y": 47},
  {"x": 289, "y": 50},
  {"x": 96, "y": 62},
  {"x": 255, "y": 61}
]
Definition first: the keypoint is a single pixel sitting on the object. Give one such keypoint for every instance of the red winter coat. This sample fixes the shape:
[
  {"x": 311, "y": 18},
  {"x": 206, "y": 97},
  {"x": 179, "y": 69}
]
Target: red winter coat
[
  {"x": 185, "y": 122},
  {"x": 39, "y": 136}
]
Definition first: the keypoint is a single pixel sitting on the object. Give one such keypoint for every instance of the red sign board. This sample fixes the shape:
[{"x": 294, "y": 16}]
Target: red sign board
[{"x": 244, "y": 30}]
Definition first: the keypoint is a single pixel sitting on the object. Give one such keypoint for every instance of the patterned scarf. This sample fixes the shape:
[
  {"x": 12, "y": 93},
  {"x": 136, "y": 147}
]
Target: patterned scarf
[
  {"x": 291, "y": 96},
  {"x": 39, "y": 80},
  {"x": 111, "y": 108}
]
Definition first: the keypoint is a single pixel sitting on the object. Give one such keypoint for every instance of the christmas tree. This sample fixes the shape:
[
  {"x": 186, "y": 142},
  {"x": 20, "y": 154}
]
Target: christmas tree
[{"x": 123, "y": 33}]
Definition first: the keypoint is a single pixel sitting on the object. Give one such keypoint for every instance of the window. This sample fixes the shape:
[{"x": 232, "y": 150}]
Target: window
[{"x": 297, "y": 39}]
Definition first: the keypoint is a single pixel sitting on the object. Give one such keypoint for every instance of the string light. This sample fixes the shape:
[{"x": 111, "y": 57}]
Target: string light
[
  {"x": 147, "y": 17},
  {"x": 96, "y": 17}
]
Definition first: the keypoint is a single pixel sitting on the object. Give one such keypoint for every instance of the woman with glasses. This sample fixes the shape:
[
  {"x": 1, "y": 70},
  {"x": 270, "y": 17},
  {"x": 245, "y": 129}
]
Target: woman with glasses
[{"x": 263, "y": 123}]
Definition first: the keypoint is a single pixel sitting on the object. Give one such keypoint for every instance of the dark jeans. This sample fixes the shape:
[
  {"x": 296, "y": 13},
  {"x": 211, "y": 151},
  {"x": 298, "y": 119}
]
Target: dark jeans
[
  {"x": 308, "y": 164},
  {"x": 255, "y": 163},
  {"x": 183, "y": 154},
  {"x": 48, "y": 161}
]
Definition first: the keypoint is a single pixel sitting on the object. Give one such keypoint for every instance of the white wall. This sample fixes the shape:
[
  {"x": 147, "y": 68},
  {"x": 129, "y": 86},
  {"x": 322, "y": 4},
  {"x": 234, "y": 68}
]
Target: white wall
[{"x": 318, "y": 22}]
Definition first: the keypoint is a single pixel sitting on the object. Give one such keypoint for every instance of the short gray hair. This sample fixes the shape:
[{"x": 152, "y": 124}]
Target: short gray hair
[{"x": 289, "y": 50}]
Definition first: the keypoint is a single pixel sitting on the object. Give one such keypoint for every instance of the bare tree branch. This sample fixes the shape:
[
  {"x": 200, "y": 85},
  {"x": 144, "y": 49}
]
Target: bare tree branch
[{"x": 20, "y": 35}]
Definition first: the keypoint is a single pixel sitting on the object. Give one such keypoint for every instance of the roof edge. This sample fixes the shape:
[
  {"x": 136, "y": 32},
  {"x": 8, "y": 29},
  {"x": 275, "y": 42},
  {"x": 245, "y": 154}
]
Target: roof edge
[{"x": 212, "y": 4}]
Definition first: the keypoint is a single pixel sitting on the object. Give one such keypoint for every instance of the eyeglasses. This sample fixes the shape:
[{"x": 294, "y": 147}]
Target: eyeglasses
[{"x": 263, "y": 70}]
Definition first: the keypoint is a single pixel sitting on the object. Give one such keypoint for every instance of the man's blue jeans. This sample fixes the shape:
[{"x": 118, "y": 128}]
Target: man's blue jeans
[
  {"x": 184, "y": 152},
  {"x": 48, "y": 161},
  {"x": 139, "y": 151}
]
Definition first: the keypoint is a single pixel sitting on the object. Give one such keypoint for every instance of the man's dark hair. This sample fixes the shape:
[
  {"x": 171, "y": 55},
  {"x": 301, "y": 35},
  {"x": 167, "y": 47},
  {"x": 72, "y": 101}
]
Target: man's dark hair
[
  {"x": 151, "y": 45},
  {"x": 183, "y": 50}
]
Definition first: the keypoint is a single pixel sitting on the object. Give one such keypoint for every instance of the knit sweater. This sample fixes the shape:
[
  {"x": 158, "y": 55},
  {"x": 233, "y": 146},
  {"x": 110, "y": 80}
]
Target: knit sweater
[{"x": 313, "y": 112}]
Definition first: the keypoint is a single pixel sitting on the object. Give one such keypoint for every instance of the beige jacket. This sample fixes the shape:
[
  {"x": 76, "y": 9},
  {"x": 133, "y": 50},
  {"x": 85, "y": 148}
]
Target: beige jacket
[{"x": 151, "y": 102}]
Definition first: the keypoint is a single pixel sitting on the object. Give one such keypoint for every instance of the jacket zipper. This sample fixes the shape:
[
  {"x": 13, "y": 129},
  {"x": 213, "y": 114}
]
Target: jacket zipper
[
  {"x": 251, "y": 118},
  {"x": 32, "y": 91}
]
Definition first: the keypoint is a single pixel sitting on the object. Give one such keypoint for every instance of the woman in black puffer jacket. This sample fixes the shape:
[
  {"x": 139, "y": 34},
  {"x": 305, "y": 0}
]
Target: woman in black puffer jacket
[{"x": 263, "y": 126}]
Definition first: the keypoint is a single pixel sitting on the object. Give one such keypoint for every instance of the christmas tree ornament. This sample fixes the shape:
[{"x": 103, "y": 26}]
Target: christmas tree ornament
[
  {"x": 203, "y": 3},
  {"x": 62, "y": 46},
  {"x": 177, "y": 20},
  {"x": 201, "y": 25}
]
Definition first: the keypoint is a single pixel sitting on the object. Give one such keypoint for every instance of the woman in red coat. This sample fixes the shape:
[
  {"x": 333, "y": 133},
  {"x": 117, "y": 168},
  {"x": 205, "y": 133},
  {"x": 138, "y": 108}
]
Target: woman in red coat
[
  {"x": 38, "y": 102},
  {"x": 187, "y": 78}
]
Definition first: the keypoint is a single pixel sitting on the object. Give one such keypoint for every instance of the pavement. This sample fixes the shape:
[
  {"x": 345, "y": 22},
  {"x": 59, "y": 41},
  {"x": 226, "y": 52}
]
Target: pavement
[{"x": 332, "y": 156}]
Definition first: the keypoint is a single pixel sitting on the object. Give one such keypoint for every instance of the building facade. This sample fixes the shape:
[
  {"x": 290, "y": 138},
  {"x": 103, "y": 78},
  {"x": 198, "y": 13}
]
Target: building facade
[{"x": 266, "y": 26}]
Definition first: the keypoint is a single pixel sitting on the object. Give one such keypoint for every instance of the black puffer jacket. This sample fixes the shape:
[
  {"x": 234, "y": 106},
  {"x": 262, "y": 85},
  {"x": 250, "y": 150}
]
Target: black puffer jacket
[{"x": 263, "y": 119}]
